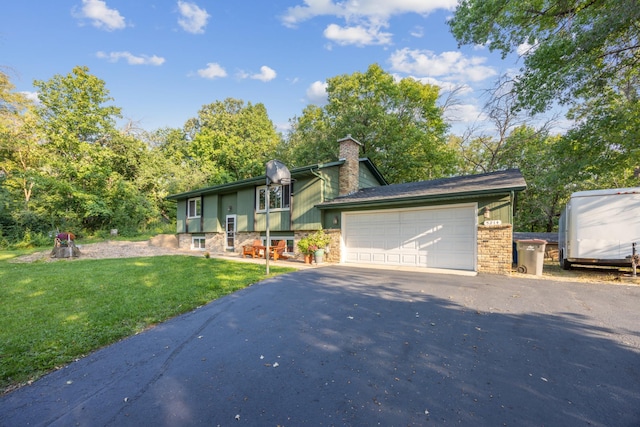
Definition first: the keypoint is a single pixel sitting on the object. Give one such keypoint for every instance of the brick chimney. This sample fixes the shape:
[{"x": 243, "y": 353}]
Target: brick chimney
[{"x": 350, "y": 169}]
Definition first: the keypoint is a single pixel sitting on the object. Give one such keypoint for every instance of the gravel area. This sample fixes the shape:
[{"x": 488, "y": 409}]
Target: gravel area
[
  {"x": 111, "y": 249},
  {"x": 157, "y": 246}
]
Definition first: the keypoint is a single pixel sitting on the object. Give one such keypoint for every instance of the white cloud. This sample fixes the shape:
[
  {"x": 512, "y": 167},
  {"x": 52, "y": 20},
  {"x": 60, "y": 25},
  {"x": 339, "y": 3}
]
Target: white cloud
[
  {"x": 417, "y": 32},
  {"x": 463, "y": 113},
  {"x": 266, "y": 74},
  {"x": 193, "y": 19},
  {"x": 359, "y": 9},
  {"x": 363, "y": 18},
  {"x": 525, "y": 48},
  {"x": 131, "y": 59},
  {"x": 317, "y": 93},
  {"x": 31, "y": 96},
  {"x": 212, "y": 71},
  {"x": 445, "y": 86},
  {"x": 311, "y": 9},
  {"x": 450, "y": 65},
  {"x": 357, "y": 35},
  {"x": 100, "y": 15}
]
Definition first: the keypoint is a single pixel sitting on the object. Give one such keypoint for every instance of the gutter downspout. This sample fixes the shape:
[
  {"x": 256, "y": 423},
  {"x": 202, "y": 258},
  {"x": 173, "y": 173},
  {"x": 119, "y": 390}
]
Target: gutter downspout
[
  {"x": 324, "y": 183},
  {"x": 513, "y": 206}
]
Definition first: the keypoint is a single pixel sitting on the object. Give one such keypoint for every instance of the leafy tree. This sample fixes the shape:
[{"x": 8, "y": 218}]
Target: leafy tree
[
  {"x": 19, "y": 150},
  {"x": 311, "y": 139},
  {"x": 582, "y": 53},
  {"x": 488, "y": 149},
  {"x": 398, "y": 123},
  {"x": 533, "y": 152},
  {"x": 230, "y": 140},
  {"x": 91, "y": 168},
  {"x": 21, "y": 159},
  {"x": 604, "y": 146},
  {"x": 576, "y": 47},
  {"x": 72, "y": 111},
  {"x": 168, "y": 169}
]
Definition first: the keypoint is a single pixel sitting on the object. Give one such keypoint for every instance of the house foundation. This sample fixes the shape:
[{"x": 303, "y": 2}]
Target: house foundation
[{"x": 494, "y": 245}]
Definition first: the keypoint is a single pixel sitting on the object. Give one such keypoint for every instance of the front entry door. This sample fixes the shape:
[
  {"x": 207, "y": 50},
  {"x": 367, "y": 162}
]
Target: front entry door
[{"x": 231, "y": 232}]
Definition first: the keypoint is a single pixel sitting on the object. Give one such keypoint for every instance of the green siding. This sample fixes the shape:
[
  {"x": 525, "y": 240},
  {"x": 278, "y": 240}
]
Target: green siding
[
  {"x": 194, "y": 225},
  {"x": 210, "y": 220},
  {"x": 246, "y": 200},
  {"x": 500, "y": 208},
  {"x": 366, "y": 178},
  {"x": 181, "y": 218},
  {"x": 307, "y": 192},
  {"x": 278, "y": 221},
  {"x": 331, "y": 218},
  {"x": 332, "y": 179}
]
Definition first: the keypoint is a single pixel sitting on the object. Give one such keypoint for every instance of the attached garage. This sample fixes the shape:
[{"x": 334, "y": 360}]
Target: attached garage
[
  {"x": 459, "y": 223},
  {"x": 434, "y": 237}
]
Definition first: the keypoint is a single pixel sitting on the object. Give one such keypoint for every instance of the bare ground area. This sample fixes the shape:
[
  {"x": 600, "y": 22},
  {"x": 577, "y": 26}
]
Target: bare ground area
[{"x": 164, "y": 244}]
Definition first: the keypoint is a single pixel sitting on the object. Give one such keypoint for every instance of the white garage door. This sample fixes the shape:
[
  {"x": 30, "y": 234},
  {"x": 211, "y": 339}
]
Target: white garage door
[{"x": 438, "y": 237}]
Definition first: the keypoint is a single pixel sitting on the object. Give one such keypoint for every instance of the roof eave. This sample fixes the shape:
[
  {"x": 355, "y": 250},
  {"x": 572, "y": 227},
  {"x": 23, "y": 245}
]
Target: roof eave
[
  {"x": 300, "y": 171},
  {"x": 393, "y": 201}
]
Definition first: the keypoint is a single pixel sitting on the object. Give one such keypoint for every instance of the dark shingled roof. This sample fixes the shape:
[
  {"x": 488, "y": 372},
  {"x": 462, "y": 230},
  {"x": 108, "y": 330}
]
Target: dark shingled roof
[{"x": 493, "y": 182}]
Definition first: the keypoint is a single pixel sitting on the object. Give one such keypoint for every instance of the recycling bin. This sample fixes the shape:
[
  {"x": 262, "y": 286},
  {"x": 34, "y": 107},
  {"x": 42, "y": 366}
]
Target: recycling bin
[{"x": 531, "y": 256}]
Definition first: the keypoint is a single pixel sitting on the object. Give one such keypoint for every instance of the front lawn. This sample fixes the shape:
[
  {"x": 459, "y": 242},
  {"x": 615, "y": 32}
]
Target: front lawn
[{"x": 54, "y": 312}]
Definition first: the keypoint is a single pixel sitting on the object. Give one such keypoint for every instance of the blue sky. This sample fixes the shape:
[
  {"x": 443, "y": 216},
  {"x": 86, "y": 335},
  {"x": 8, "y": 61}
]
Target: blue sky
[{"x": 163, "y": 60}]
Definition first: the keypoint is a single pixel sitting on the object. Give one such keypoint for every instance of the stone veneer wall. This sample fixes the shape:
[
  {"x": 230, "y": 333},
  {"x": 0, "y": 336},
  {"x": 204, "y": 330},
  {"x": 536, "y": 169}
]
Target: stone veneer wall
[
  {"x": 184, "y": 241},
  {"x": 349, "y": 180},
  {"x": 245, "y": 238},
  {"x": 495, "y": 249},
  {"x": 214, "y": 242},
  {"x": 333, "y": 255}
]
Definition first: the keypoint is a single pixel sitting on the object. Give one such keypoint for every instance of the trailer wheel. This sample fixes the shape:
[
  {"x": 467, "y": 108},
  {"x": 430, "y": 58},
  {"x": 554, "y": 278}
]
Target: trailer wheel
[{"x": 564, "y": 264}]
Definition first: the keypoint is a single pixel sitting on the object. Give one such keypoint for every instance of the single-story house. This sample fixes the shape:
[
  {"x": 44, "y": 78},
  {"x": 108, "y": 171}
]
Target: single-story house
[{"x": 461, "y": 223}]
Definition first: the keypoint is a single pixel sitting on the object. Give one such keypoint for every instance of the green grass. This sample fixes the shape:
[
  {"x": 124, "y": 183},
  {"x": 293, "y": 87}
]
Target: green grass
[{"x": 54, "y": 312}]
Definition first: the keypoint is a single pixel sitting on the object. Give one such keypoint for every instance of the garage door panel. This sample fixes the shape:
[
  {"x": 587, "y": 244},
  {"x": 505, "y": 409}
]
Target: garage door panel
[
  {"x": 391, "y": 259},
  {"x": 443, "y": 237},
  {"x": 364, "y": 257},
  {"x": 409, "y": 259}
]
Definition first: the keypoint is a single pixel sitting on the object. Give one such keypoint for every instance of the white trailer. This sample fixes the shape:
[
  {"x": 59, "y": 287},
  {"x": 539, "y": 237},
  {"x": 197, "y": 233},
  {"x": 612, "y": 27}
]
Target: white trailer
[{"x": 600, "y": 227}]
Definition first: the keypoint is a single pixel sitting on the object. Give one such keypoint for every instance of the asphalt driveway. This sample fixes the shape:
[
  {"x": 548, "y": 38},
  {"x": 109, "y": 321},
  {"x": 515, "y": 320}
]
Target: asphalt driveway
[{"x": 359, "y": 347}]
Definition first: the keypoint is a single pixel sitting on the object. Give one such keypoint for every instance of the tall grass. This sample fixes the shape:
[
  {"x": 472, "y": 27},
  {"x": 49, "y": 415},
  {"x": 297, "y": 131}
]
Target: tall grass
[{"x": 54, "y": 312}]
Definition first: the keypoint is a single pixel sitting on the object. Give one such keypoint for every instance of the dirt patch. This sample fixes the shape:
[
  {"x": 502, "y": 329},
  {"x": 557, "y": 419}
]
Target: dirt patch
[
  {"x": 587, "y": 274},
  {"x": 116, "y": 249},
  {"x": 169, "y": 241}
]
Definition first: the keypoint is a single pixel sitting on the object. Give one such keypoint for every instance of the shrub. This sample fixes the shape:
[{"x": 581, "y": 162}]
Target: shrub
[{"x": 313, "y": 242}]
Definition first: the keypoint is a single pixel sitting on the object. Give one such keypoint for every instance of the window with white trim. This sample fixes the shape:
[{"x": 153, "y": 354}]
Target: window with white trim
[
  {"x": 279, "y": 198},
  {"x": 194, "y": 208},
  {"x": 198, "y": 243}
]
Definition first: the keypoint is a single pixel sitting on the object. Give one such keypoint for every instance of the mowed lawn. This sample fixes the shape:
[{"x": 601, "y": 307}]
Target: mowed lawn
[{"x": 54, "y": 312}]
